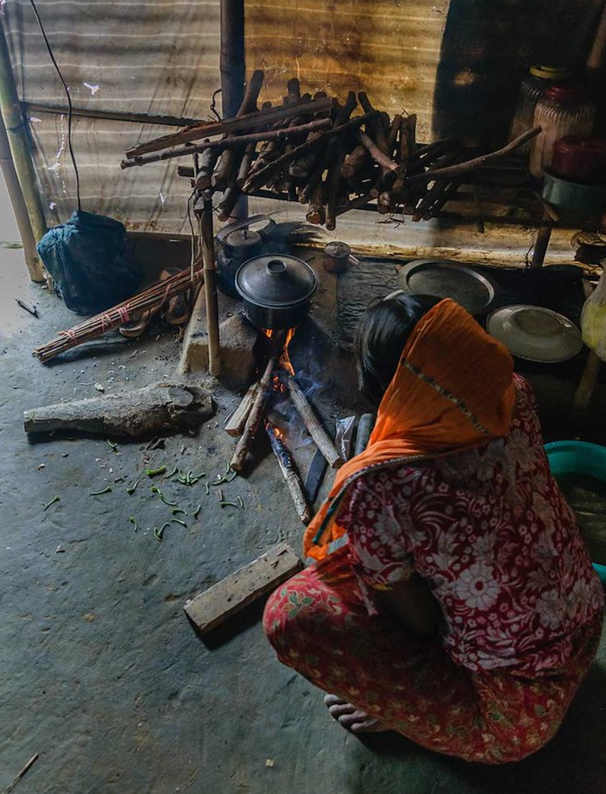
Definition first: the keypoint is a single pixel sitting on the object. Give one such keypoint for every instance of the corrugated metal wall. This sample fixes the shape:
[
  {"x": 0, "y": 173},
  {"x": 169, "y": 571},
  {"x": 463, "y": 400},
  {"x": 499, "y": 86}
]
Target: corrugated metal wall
[
  {"x": 145, "y": 57},
  {"x": 456, "y": 63}
]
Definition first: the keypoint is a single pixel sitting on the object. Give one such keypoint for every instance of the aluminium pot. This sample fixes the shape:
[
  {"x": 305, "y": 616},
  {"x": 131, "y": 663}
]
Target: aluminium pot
[{"x": 276, "y": 289}]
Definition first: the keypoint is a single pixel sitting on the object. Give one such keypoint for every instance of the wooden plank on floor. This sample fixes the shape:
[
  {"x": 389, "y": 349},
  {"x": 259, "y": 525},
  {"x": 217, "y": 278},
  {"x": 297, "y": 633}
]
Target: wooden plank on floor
[{"x": 230, "y": 595}]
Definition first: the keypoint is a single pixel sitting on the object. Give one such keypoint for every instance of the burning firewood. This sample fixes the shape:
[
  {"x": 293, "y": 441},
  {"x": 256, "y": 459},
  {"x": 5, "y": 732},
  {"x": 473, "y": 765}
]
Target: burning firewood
[
  {"x": 237, "y": 421},
  {"x": 312, "y": 423},
  {"x": 315, "y": 151},
  {"x": 289, "y": 473},
  {"x": 259, "y": 404}
]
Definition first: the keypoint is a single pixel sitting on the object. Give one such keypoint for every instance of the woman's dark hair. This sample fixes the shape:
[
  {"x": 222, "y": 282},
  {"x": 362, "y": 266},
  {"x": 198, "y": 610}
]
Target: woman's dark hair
[{"x": 381, "y": 337}]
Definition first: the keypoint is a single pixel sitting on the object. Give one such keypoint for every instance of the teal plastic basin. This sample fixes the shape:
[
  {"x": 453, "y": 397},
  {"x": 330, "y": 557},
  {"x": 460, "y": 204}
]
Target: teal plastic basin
[{"x": 578, "y": 457}]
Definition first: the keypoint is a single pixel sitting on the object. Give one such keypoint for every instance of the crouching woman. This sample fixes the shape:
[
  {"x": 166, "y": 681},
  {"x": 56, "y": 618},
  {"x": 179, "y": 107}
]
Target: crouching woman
[{"x": 462, "y": 609}]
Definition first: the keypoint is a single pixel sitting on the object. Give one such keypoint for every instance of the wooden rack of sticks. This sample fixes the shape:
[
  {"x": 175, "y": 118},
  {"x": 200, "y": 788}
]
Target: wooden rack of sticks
[
  {"x": 249, "y": 417},
  {"x": 314, "y": 150}
]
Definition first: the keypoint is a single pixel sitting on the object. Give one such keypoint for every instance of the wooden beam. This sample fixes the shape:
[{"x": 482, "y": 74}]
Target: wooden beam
[{"x": 230, "y": 595}]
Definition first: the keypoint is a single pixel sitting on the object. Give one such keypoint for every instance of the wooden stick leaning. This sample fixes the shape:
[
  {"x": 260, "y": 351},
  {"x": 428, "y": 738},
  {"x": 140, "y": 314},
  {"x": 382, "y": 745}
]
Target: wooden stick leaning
[
  {"x": 452, "y": 171},
  {"x": 285, "y": 461},
  {"x": 247, "y": 122},
  {"x": 210, "y": 286},
  {"x": 312, "y": 423},
  {"x": 111, "y": 318},
  {"x": 236, "y": 422},
  {"x": 258, "y": 406}
]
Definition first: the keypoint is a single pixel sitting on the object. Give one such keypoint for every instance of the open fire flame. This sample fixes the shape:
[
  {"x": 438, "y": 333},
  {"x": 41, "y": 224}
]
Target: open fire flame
[{"x": 285, "y": 363}]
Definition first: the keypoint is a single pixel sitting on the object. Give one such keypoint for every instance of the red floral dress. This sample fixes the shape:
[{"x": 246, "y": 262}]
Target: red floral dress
[{"x": 491, "y": 534}]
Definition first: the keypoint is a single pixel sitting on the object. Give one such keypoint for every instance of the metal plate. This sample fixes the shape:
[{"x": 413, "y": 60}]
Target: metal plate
[
  {"x": 535, "y": 333},
  {"x": 470, "y": 289}
]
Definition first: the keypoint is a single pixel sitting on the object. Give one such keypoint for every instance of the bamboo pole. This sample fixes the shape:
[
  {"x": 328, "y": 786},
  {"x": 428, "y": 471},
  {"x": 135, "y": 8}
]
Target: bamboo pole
[
  {"x": 15, "y": 194},
  {"x": 16, "y": 128},
  {"x": 210, "y": 286}
]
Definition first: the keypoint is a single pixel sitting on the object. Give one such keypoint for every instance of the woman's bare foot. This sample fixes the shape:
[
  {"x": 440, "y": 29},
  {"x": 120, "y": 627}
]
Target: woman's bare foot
[{"x": 351, "y": 718}]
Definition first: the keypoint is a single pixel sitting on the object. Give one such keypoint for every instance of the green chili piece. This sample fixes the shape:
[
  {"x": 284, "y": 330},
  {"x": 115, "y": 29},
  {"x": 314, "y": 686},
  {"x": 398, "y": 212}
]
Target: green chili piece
[
  {"x": 240, "y": 502},
  {"x": 155, "y": 489},
  {"x": 133, "y": 521},
  {"x": 178, "y": 521},
  {"x": 173, "y": 472},
  {"x": 158, "y": 533},
  {"x": 132, "y": 488},
  {"x": 52, "y": 502},
  {"x": 112, "y": 445},
  {"x": 155, "y": 472},
  {"x": 178, "y": 510},
  {"x": 228, "y": 504},
  {"x": 107, "y": 489},
  {"x": 197, "y": 511}
]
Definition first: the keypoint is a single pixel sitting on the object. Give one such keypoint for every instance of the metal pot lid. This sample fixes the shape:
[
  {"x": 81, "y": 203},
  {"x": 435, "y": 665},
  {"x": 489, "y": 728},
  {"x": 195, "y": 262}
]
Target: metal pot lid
[
  {"x": 535, "y": 333},
  {"x": 243, "y": 239},
  {"x": 276, "y": 281},
  {"x": 469, "y": 288}
]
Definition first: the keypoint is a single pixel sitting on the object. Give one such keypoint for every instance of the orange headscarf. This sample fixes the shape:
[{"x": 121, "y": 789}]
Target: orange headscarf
[{"x": 453, "y": 390}]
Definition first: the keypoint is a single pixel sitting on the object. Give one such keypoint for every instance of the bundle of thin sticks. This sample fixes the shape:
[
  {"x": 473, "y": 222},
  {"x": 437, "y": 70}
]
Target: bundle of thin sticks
[
  {"x": 315, "y": 151},
  {"x": 96, "y": 326}
]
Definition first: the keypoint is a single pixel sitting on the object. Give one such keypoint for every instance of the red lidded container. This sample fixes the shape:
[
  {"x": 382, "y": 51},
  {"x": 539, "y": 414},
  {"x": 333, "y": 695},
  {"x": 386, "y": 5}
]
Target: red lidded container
[{"x": 580, "y": 160}]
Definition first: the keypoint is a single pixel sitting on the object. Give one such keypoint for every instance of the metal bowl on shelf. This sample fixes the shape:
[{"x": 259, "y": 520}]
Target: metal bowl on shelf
[{"x": 441, "y": 278}]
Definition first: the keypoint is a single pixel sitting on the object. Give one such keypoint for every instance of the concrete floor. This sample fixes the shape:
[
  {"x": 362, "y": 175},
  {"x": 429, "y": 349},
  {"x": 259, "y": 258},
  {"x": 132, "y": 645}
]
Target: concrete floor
[{"x": 102, "y": 675}]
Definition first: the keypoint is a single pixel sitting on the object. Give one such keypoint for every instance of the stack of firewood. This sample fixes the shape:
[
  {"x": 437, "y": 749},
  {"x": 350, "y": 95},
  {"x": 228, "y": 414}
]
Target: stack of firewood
[{"x": 314, "y": 150}]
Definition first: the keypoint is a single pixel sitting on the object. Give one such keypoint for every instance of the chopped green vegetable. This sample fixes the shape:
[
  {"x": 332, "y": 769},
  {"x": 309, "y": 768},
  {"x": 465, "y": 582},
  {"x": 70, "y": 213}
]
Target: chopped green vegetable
[
  {"x": 197, "y": 511},
  {"x": 178, "y": 521},
  {"x": 228, "y": 504},
  {"x": 133, "y": 521},
  {"x": 178, "y": 510},
  {"x": 240, "y": 502},
  {"x": 154, "y": 489},
  {"x": 158, "y": 533},
  {"x": 173, "y": 472},
  {"x": 132, "y": 488},
  {"x": 155, "y": 472},
  {"x": 207, "y": 488},
  {"x": 112, "y": 445},
  {"x": 52, "y": 502},
  {"x": 107, "y": 489}
]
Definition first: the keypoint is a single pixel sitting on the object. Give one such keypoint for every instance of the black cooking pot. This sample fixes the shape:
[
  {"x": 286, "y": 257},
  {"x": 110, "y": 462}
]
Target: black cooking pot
[{"x": 277, "y": 290}]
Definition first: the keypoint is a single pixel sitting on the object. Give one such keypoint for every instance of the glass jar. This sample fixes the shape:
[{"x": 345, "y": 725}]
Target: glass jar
[
  {"x": 533, "y": 86},
  {"x": 562, "y": 111}
]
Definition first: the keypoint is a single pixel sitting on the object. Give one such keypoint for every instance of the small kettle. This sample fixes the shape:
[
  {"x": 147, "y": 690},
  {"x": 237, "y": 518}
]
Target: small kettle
[{"x": 236, "y": 243}]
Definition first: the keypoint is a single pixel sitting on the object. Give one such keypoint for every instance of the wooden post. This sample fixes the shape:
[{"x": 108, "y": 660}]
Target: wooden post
[
  {"x": 588, "y": 382},
  {"x": 232, "y": 68},
  {"x": 210, "y": 286},
  {"x": 15, "y": 195},
  {"x": 540, "y": 246},
  {"x": 16, "y": 128}
]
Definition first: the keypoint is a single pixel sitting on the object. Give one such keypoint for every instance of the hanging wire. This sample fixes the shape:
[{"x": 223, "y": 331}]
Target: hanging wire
[
  {"x": 69, "y": 102},
  {"x": 213, "y": 104}
]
